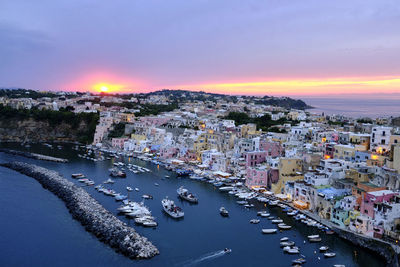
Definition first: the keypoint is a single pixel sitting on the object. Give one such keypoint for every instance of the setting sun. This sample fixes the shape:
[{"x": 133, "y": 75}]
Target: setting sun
[{"x": 104, "y": 89}]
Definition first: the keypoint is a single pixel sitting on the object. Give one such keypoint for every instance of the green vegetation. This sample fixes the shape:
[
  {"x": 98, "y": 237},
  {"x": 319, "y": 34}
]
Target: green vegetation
[
  {"x": 150, "y": 109},
  {"x": 55, "y": 118},
  {"x": 264, "y": 123},
  {"x": 118, "y": 130}
]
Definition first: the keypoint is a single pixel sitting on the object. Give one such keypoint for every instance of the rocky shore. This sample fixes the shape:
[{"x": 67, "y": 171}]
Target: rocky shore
[
  {"x": 93, "y": 216},
  {"x": 33, "y": 155}
]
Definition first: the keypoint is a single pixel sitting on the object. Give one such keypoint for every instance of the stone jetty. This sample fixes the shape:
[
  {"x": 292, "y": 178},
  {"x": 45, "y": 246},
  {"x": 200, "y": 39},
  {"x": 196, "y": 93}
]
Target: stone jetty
[
  {"x": 33, "y": 155},
  {"x": 93, "y": 216}
]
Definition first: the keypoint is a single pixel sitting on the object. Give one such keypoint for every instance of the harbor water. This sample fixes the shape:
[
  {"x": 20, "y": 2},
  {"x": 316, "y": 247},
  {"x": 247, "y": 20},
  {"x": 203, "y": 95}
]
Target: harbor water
[{"x": 37, "y": 229}]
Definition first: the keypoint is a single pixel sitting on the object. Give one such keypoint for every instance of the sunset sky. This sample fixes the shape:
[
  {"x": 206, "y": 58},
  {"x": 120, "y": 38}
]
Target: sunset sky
[{"x": 274, "y": 47}]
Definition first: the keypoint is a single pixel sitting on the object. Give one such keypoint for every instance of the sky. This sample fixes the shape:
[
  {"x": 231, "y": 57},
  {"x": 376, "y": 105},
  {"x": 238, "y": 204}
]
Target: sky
[{"x": 254, "y": 47}]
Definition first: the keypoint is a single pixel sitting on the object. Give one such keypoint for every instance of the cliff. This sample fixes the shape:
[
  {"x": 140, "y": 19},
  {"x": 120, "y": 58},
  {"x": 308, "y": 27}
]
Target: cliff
[{"x": 44, "y": 125}]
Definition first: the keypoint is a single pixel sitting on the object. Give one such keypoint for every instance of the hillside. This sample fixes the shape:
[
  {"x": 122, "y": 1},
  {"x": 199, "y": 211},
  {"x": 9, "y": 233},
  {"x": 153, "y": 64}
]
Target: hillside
[{"x": 45, "y": 125}]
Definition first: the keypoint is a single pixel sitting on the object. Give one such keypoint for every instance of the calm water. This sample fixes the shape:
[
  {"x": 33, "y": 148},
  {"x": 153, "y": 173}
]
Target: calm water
[
  {"x": 356, "y": 107},
  {"x": 37, "y": 229}
]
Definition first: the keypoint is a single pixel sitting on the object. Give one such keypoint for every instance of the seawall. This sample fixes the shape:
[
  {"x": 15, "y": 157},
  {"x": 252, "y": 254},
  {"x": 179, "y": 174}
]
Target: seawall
[
  {"x": 33, "y": 155},
  {"x": 93, "y": 216}
]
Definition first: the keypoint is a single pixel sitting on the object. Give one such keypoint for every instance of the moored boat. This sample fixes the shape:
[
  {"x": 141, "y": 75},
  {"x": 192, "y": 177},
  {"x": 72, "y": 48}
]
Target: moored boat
[
  {"x": 329, "y": 254},
  {"x": 171, "y": 209},
  {"x": 269, "y": 231},
  {"x": 186, "y": 195}
]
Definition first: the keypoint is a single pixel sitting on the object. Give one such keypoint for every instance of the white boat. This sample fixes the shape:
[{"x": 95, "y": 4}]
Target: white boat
[
  {"x": 273, "y": 203},
  {"x": 226, "y": 188},
  {"x": 223, "y": 212},
  {"x": 77, "y": 175},
  {"x": 186, "y": 195},
  {"x": 254, "y": 221},
  {"x": 109, "y": 181},
  {"x": 150, "y": 224},
  {"x": 287, "y": 244},
  {"x": 314, "y": 240},
  {"x": 129, "y": 188},
  {"x": 283, "y": 226},
  {"x": 277, "y": 221},
  {"x": 329, "y": 254},
  {"x": 156, "y": 184},
  {"x": 171, "y": 209},
  {"x": 312, "y": 236},
  {"x": 323, "y": 248},
  {"x": 293, "y": 251},
  {"x": 269, "y": 231},
  {"x": 136, "y": 189},
  {"x": 284, "y": 239},
  {"x": 264, "y": 215},
  {"x": 146, "y": 196}
]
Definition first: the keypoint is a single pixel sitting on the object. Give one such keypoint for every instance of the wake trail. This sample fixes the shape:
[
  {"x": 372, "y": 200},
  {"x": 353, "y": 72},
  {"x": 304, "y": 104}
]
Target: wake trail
[{"x": 208, "y": 256}]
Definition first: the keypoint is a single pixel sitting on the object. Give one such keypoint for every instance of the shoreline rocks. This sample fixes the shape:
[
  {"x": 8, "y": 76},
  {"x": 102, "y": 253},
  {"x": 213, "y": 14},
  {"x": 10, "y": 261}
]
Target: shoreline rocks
[
  {"x": 33, "y": 155},
  {"x": 90, "y": 213}
]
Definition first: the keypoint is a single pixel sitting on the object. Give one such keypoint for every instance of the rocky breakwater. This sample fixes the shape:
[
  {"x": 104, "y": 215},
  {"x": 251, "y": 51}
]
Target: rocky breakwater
[
  {"x": 93, "y": 216},
  {"x": 33, "y": 155}
]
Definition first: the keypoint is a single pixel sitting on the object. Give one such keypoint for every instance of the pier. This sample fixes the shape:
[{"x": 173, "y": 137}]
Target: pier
[{"x": 91, "y": 214}]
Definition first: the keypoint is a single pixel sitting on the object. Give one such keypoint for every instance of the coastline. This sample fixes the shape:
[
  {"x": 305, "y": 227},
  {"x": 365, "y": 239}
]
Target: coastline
[{"x": 90, "y": 213}]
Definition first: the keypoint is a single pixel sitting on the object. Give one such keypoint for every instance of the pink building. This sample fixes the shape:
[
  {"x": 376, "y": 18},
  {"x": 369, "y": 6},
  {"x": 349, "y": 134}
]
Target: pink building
[
  {"x": 255, "y": 157},
  {"x": 168, "y": 152},
  {"x": 273, "y": 149},
  {"x": 371, "y": 198},
  {"x": 119, "y": 142},
  {"x": 261, "y": 176}
]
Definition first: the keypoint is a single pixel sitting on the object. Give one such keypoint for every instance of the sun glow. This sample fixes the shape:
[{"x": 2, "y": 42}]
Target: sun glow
[{"x": 107, "y": 88}]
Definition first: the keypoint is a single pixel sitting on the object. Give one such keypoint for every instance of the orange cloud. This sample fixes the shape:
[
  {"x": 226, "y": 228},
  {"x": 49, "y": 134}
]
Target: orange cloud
[{"x": 303, "y": 86}]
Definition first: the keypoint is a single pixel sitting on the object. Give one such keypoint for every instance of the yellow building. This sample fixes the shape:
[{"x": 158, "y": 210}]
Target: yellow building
[
  {"x": 357, "y": 175},
  {"x": 126, "y": 117},
  {"x": 394, "y": 139},
  {"x": 138, "y": 137},
  {"x": 346, "y": 152},
  {"x": 360, "y": 139},
  {"x": 248, "y": 129},
  {"x": 290, "y": 169},
  {"x": 394, "y": 158}
]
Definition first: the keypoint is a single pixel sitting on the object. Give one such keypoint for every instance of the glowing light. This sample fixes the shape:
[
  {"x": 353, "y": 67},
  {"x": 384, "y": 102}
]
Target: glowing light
[
  {"x": 305, "y": 86},
  {"x": 327, "y": 157},
  {"x": 104, "y": 89},
  {"x": 107, "y": 88},
  {"x": 374, "y": 157}
]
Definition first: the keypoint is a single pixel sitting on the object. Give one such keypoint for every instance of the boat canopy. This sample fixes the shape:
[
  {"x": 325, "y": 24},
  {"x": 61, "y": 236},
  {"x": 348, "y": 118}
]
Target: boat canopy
[{"x": 300, "y": 204}]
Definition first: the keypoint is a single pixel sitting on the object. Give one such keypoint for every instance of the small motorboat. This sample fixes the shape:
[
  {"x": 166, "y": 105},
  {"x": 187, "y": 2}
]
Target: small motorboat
[
  {"x": 271, "y": 217},
  {"x": 149, "y": 223},
  {"x": 248, "y": 206},
  {"x": 299, "y": 261},
  {"x": 242, "y": 202},
  {"x": 77, "y": 175},
  {"x": 315, "y": 240},
  {"x": 283, "y": 226},
  {"x": 136, "y": 189},
  {"x": 329, "y": 232},
  {"x": 129, "y": 188},
  {"x": 323, "y": 248},
  {"x": 277, "y": 221},
  {"x": 284, "y": 239},
  {"x": 287, "y": 244},
  {"x": 254, "y": 221},
  {"x": 223, "y": 212},
  {"x": 147, "y": 196},
  {"x": 264, "y": 215},
  {"x": 293, "y": 251},
  {"x": 312, "y": 236},
  {"x": 329, "y": 255},
  {"x": 227, "y": 250},
  {"x": 183, "y": 193},
  {"x": 109, "y": 181},
  {"x": 269, "y": 231},
  {"x": 156, "y": 184}
]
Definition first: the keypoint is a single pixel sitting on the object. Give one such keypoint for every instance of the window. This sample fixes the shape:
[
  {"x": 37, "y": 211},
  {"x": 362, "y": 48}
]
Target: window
[{"x": 366, "y": 211}]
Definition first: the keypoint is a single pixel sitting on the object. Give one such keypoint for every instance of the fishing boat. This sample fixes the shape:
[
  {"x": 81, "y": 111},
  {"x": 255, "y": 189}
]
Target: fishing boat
[
  {"x": 254, "y": 221},
  {"x": 183, "y": 193},
  {"x": 329, "y": 255},
  {"x": 171, "y": 209},
  {"x": 227, "y": 250},
  {"x": 223, "y": 212},
  {"x": 269, "y": 231}
]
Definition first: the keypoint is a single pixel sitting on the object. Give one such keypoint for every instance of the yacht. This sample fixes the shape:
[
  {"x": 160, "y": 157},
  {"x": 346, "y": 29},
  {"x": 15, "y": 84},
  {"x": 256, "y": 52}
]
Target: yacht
[{"x": 171, "y": 209}]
